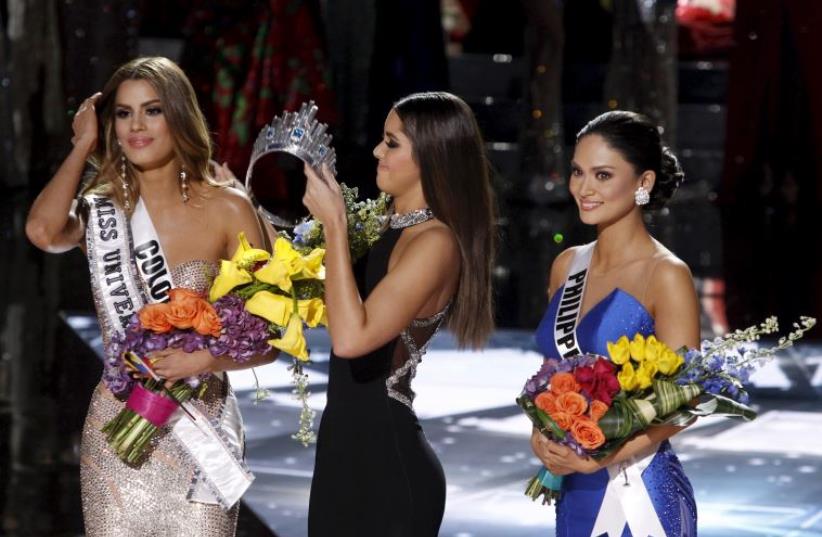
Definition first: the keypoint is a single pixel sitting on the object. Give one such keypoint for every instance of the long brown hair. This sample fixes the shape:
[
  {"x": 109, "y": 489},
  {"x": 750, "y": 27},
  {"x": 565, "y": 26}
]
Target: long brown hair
[
  {"x": 450, "y": 153},
  {"x": 192, "y": 143}
]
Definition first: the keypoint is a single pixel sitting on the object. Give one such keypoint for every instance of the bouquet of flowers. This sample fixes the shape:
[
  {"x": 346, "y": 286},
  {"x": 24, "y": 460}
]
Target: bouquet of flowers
[
  {"x": 366, "y": 220},
  {"x": 284, "y": 290},
  {"x": 286, "y": 287},
  {"x": 594, "y": 404},
  {"x": 257, "y": 301},
  {"x": 189, "y": 322}
]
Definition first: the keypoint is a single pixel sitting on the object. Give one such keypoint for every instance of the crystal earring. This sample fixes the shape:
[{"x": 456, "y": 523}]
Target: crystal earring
[
  {"x": 642, "y": 196},
  {"x": 184, "y": 185},
  {"x": 124, "y": 183}
]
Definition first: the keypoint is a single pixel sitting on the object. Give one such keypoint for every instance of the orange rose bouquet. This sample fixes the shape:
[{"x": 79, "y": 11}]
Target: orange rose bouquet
[
  {"x": 565, "y": 401},
  {"x": 191, "y": 323}
]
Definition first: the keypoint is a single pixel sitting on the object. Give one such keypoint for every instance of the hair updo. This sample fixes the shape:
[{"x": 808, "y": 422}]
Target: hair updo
[{"x": 637, "y": 138}]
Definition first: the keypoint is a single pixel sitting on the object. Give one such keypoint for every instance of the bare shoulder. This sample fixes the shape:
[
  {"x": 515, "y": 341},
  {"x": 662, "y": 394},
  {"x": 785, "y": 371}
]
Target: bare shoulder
[
  {"x": 437, "y": 241},
  {"x": 431, "y": 250},
  {"x": 668, "y": 266},
  {"x": 673, "y": 301},
  {"x": 228, "y": 198},
  {"x": 560, "y": 267},
  {"x": 670, "y": 275},
  {"x": 232, "y": 211}
]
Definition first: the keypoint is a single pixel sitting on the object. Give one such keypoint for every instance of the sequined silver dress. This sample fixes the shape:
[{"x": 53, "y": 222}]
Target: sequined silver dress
[{"x": 150, "y": 500}]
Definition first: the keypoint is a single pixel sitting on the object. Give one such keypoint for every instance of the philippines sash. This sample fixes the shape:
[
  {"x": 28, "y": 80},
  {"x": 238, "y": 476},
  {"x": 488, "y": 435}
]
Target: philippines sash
[
  {"x": 129, "y": 269},
  {"x": 570, "y": 303}
]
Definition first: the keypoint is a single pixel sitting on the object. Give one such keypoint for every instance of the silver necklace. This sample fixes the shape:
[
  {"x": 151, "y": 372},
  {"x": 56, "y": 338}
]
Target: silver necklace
[{"x": 412, "y": 218}]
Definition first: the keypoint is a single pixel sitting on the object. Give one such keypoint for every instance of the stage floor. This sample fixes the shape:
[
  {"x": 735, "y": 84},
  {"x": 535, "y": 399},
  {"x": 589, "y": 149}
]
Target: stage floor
[{"x": 751, "y": 479}]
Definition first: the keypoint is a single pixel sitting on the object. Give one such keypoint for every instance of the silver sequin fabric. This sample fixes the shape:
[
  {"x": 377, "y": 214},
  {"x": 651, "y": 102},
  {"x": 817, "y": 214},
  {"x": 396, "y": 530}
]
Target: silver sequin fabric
[
  {"x": 408, "y": 356},
  {"x": 150, "y": 499}
]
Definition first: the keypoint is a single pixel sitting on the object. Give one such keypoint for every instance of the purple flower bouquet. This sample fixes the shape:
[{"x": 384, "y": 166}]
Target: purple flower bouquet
[{"x": 187, "y": 322}]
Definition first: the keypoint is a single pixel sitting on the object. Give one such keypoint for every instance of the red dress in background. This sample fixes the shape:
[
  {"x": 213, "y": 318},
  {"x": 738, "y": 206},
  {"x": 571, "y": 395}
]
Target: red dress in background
[{"x": 250, "y": 61}]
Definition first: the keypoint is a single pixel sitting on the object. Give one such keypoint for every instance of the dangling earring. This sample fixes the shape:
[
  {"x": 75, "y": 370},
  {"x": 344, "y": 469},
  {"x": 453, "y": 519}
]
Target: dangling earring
[
  {"x": 642, "y": 196},
  {"x": 184, "y": 185},
  {"x": 124, "y": 183}
]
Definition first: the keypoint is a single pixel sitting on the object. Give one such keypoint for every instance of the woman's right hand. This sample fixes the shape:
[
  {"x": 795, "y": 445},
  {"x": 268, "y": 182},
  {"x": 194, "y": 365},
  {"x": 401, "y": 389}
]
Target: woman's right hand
[
  {"x": 85, "y": 124},
  {"x": 53, "y": 224}
]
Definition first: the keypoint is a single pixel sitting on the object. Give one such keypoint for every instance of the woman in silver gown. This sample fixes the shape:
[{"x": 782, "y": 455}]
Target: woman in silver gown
[{"x": 148, "y": 144}]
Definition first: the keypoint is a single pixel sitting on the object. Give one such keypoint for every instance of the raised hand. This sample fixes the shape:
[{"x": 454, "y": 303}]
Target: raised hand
[
  {"x": 84, "y": 124},
  {"x": 323, "y": 196}
]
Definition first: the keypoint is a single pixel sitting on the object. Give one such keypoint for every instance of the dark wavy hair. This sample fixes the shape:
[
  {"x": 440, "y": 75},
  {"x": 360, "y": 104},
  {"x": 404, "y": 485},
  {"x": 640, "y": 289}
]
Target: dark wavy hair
[
  {"x": 450, "y": 153},
  {"x": 637, "y": 138}
]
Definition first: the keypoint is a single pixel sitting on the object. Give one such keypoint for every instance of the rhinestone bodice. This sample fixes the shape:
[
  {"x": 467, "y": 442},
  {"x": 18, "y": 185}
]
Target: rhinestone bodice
[
  {"x": 152, "y": 498},
  {"x": 196, "y": 274}
]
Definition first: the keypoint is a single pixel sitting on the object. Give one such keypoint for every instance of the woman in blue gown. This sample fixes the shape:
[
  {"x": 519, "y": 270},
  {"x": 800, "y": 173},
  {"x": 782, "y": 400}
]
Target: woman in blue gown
[{"x": 633, "y": 284}]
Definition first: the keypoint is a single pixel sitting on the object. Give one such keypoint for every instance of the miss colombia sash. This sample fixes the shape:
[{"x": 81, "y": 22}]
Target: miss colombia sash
[{"x": 129, "y": 269}]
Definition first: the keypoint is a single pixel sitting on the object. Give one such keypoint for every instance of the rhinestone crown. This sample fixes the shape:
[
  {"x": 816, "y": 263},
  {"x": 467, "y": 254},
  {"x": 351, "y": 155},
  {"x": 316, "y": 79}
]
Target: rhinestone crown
[
  {"x": 299, "y": 134},
  {"x": 296, "y": 133}
]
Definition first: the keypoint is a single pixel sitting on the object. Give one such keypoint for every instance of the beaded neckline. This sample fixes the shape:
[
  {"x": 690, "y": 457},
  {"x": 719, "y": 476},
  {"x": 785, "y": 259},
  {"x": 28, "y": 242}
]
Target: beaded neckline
[{"x": 412, "y": 218}]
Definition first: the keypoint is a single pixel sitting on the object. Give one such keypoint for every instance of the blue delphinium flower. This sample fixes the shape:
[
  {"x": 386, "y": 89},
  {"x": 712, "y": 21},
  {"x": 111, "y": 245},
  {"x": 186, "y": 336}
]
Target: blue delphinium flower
[{"x": 715, "y": 363}]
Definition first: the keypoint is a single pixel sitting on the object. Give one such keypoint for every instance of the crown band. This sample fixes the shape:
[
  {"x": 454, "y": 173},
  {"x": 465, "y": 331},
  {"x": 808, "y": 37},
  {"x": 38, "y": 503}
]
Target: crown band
[{"x": 298, "y": 134}]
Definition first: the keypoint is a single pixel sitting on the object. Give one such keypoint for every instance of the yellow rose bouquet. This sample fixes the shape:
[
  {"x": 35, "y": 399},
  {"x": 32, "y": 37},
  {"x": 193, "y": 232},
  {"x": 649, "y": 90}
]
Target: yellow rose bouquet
[
  {"x": 661, "y": 386},
  {"x": 285, "y": 288}
]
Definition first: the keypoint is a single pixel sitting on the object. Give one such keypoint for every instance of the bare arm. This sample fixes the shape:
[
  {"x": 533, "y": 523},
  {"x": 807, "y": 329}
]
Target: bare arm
[
  {"x": 561, "y": 460},
  {"x": 52, "y": 224},
  {"x": 174, "y": 364},
  {"x": 240, "y": 217},
  {"x": 423, "y": 269}
]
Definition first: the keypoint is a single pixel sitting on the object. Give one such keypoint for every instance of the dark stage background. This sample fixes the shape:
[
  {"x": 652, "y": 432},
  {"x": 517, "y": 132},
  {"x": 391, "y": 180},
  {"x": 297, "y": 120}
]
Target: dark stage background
[{"x": 737, "y": 91}]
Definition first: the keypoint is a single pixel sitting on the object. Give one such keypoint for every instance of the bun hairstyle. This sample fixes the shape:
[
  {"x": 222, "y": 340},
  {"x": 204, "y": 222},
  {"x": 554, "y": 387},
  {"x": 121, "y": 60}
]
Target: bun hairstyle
[{"x": 637, "y": 138}]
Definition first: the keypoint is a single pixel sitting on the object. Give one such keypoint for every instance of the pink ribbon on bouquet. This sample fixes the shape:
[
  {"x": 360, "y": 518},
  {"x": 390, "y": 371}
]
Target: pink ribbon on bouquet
[{"x": 154, "y": 407}]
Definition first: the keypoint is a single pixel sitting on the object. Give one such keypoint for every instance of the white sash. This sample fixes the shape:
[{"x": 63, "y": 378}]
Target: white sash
[
  {"x": 108, "y": 243},
  {"x": 148, "y": 255},
  {"x": 570, "y": 303},
  {"x": 221, "y": 476},
  {"x": 627, "y": 501}
]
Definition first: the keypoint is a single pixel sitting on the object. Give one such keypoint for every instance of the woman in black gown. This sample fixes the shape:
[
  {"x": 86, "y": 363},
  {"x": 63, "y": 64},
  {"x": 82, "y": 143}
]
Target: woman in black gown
[{"x": 375, "y": 473}]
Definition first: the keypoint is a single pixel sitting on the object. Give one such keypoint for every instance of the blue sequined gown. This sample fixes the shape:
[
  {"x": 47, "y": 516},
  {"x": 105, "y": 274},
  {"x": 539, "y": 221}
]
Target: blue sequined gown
[{"x": 616, "y": 315}]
